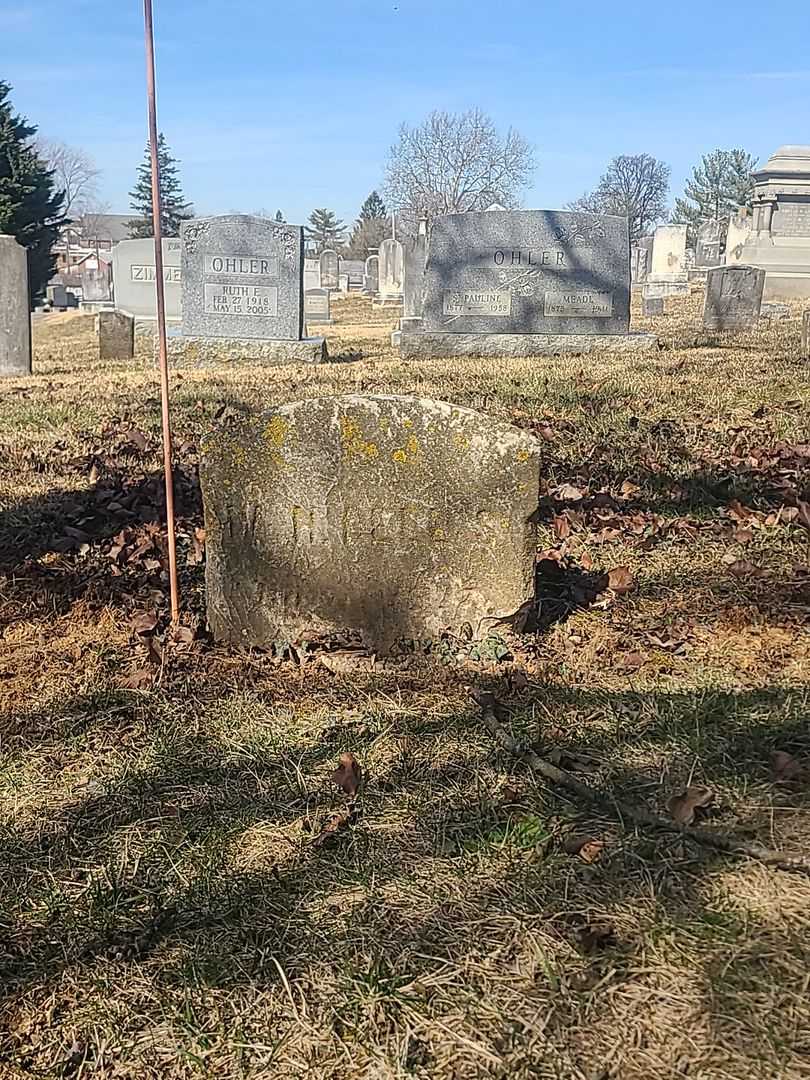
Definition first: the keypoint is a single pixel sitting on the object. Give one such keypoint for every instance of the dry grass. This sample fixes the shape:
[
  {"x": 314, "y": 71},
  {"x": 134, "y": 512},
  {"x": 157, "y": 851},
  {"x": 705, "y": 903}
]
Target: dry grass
[{"x": 164, "y": 913}]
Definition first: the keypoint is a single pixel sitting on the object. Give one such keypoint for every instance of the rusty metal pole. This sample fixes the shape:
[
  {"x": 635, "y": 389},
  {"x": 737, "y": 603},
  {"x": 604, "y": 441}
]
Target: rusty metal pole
[{"x": 161, "y": 310}]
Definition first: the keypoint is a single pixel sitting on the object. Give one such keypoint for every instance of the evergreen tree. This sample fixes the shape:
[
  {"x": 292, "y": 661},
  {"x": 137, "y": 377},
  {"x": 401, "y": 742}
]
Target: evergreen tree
[
  {"x": 30, "y": 209},
  {"x": 173, "y": 206},
  {"x": 325, "y": 230},
  {"x": 370, "y": 229},
  {"x": 373, "y": 208},
  {"x": 279, "y": 216},
  {"x": 717, "y": 188}
]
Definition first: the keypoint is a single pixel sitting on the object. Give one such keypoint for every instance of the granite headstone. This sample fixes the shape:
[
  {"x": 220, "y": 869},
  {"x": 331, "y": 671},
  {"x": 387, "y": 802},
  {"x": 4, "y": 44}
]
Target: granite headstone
[
  {"x": 707, "y": 247},
  {"x": 116, "y": 335},
  {"x": 733, "y": 297},
  {"x": 391, "y": 269},
  {"x": 528, "y": 272},
  {"x": 242, "y": 278},
  {"x": 372, "y": 275},
  {"x": 133, "y": 278},
  {"x": 397, "y": 517}
]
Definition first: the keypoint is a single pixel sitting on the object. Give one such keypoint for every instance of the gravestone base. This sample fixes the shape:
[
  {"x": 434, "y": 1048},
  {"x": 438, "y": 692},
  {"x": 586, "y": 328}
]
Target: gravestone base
[
  {"x": 697, "y": 274},
  {"x": 386, "y": 301},
  {"x": 205, "y": 351},
  {"x": 428, "y": 346}
]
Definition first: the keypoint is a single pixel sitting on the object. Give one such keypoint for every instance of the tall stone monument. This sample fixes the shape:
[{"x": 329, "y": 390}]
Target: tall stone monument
[
  {"x": 391, "y": 271},
  {"x": 397, "y": 517},
  {"x": 779, "y": 240},
  {"x": 15, "y": 309},
  {"x": 525, "y": 282},
  {"x": 243, "y": 295}
]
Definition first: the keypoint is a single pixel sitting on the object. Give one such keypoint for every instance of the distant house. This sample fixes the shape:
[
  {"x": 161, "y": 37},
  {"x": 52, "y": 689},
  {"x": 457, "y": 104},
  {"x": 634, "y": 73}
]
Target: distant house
[{"x": 89, "y": 234}]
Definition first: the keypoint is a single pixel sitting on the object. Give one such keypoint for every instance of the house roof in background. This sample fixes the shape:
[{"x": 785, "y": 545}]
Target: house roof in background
[{"x": 112, "y": 227}]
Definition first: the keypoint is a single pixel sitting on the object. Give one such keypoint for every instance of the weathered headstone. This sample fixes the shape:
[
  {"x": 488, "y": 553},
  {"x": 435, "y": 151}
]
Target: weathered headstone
[
  {"x": 391, "y": 268},
  {"x": 639, "y": 260},
  {"x": 733, "y": 297},
  {"x": 133, "y": 270},
  {"x": 116, "y": 335},
  {"x": 330, "y": 269},
  {"x": 312, "y": 274},
  {"x": 652, "y": 305},
  {"x": 707, "y": 247},
  {"x": 525, "y": 282},
  {"x": 738, "y": 231},
  {"x": 806, "y": 335},
  {"x": 667, "y": 265},
  {"x": 371, "y": 283},
  {"x": 15, "y": 311},
  {"x": 397, "y": 517},
  {"x": 316, "y": 307},
  {"x": 57, "y": 296}
]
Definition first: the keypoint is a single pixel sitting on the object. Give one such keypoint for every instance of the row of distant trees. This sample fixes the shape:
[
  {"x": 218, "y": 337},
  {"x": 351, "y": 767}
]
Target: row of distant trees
[{"x": 450, "y": 163}]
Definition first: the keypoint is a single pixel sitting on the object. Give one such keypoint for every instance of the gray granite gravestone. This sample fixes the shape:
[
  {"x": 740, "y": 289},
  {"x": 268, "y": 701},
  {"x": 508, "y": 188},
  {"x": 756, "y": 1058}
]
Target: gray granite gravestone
[
  {"x": 707, "y": 247},
  {"x": 733, "y": 297},
  {"x": 316, "y": 307},
  {"x": 521, "y": 282},
  {"x": 372, "y": 275},
  {"x": 330, "y": 269},
  {"x": 243, "y": 296},
  {"x": 312, "y": 274},
  {"x": 133, "y": 278},
  {"x": 116, "y": 335},
  {"x": 15, "y": 310},
  {"x": 397, "y": 517},
  {"x": 415, "y": 254}
]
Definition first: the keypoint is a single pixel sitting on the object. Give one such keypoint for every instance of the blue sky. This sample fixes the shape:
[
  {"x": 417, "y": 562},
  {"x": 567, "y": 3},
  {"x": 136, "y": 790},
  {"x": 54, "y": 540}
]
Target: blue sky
[{"x": 294, "y": 105}]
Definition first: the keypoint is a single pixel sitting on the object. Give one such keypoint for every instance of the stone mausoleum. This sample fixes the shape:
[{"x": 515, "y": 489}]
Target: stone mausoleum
[{"x": 779, "y": 240}]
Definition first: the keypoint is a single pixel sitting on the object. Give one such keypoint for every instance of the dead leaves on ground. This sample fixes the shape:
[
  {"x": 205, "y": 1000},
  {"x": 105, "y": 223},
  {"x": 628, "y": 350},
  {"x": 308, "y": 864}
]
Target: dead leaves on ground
[
  {"x": 685, "y": 807},
  {"x": 348, "y": 775}
]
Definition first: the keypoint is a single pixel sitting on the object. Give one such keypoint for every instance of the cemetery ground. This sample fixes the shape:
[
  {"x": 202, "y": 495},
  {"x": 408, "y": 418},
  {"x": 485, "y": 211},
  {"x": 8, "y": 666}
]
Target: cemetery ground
[{"x": 186, "y": 892}]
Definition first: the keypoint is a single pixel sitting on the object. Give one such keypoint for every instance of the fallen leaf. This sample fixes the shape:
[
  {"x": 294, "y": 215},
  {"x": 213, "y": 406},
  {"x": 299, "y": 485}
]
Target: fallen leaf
[
  {"x": 144, "y": 622},
  {"x": 568, "y": 493},
  {"x": 183, "y": 635},
  {"x": 682, "y": 807},
  {"x": 137, "y": 438},
  {"x": 562, "y": 527},
  {"x": 588, "y": 848},
  {"x": 344, "y": 661},
  {"x": 631, "y": 661},
  {"x": 139, "y": 679},
  {"x": 484, "y": 698},
  {"x": 334, "y": 825},
  {"x": 348, "y": 775},
  {"x": 620, "y": 580},
  {"x": 743, "y": 536},
  {"x": 741, "y": 568},
  {"x": 785, "y": 767},
  {"x": 739, "y": 512},
  {"x": 629, "y": 490}
]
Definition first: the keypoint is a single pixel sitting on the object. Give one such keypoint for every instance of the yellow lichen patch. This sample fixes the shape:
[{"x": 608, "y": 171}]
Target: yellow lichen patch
[
  {"x": 276, "y": 431},
  {"x": 399, "y": 456},
  {"x": 354, "y": 442},
  {"x": 522, "y": 455},
  {"x": 438, "y": 533},
  {"x": 412, "y": 446},
  {"x": 407, "y": 424},
  {"x": 461, "y": 440}
]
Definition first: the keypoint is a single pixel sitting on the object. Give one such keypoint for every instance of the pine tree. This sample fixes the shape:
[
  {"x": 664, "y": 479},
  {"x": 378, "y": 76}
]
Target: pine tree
[
  {"x": 30, "y": 209},
  {"x": 173, "y": 206},
  {"x": 373, "y": 208},
  {"x": 370, "y": 229},
  {"x": 279, "y": 216},
  {"x": 325, "y": 230},
  {"x": 717, "y": 188}
]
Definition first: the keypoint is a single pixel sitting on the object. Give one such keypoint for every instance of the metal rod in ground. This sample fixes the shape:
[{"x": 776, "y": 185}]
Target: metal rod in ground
[{"x": 161, "y": 309}]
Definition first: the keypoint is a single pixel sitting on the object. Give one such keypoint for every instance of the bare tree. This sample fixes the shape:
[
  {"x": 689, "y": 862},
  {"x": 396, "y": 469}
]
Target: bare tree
[
  {"x": 74, "y": 171},
  {"x": 634, "y": 186},
  {"x": 456, "y": 162}
]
